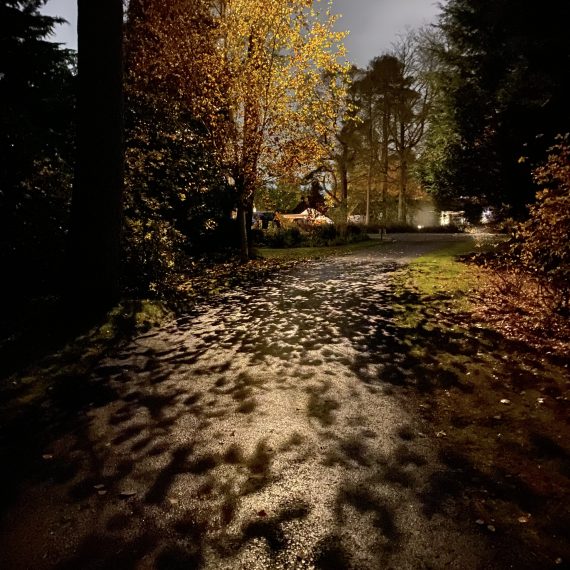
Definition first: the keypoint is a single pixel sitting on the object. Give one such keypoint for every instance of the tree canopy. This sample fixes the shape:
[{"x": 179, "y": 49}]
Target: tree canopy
[
  {"x": 502, "y": 83},
  {"x": 36, "y": 145}
]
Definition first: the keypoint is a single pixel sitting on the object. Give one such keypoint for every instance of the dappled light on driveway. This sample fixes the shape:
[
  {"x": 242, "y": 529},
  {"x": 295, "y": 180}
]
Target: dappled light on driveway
[{"x": 265, "y": 431}]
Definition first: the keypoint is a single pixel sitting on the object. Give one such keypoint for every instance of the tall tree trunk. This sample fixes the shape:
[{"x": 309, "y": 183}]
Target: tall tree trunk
[
  {"x": 249, "y": 223},
  {"x": 251, "y": 145},
  {"x": 344, "y": 188},
  {"x": 371, "y": 158},
  {"x": 96, "y": 214},
  {"x": 243, "y": 233},
  {"x": 385, "y": 164},
  {"x": 245, "y": 220},
  {"x": 342, "y": 165},
  {"x": 368, "y": 193},
  {"x": 403, "y": 189},
  {"x": 403, "y": 173}
]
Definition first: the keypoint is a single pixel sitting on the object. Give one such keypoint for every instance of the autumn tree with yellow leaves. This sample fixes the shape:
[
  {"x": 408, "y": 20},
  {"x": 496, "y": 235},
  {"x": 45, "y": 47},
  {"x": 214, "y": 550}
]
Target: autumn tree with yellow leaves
[
  {"x": 252, "y": 73},
  {"x": 276, "y": 55}
]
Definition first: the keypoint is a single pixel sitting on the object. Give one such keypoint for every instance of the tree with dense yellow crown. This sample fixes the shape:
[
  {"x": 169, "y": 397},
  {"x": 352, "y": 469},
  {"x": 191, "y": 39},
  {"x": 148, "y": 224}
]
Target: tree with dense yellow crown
[
  {"x": 255, "y": 80},
  {"x": 274, "y": 55}
]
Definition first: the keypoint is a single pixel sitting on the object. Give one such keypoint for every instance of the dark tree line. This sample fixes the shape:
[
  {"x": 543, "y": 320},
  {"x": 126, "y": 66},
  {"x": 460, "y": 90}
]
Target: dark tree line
[
  {"x": 502, "y": 96},
  {"x": 37, "y": 147},
  {"x": 379, "y": 139}
]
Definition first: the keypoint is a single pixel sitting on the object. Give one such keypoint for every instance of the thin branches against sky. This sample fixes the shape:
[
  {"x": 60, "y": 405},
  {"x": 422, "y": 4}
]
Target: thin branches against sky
[{"x": 375, "y": 25}]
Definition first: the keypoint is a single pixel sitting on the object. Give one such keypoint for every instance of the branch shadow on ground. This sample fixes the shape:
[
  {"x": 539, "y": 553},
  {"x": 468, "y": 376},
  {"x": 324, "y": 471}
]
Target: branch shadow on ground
[{"x": 146, "y": 439}]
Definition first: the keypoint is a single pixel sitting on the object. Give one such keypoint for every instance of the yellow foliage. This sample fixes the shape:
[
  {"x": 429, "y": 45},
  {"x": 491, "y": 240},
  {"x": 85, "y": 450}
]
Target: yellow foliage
[{"x": 265, "y": 77}]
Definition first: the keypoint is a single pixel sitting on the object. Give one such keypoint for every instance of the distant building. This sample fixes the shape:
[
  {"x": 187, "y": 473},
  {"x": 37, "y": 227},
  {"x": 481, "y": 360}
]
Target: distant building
[
  {"x": 307, "y": 217},
  {"x": 450, "y": 218}
]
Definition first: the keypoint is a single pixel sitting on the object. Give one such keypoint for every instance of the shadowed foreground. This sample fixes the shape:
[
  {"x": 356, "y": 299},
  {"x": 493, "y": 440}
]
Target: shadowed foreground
[{"x": 267, "y": 431}]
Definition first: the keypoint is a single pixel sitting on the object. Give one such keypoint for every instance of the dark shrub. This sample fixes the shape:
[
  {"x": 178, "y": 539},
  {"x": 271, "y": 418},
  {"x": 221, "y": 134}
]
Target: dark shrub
[
  {"x": 258, "y": 236},
  {"x": 293, "y": 237},
  {"x": 400, "y": 228},
  {"x": 309, "y": 236},
  {"x": 541, "y": 244},
  {"x": 449, "y": 229},
  {"x": 324, "y": 235}
]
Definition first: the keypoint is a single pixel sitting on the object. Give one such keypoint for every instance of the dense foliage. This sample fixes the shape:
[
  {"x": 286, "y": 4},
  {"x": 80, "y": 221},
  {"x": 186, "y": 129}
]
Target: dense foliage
[
  {"x": 36, "y": 147},
  {"x": 310, "y": 236},
  {"x": 542, "y": 243},
  {"x": 178, "y": 202},
  {"x": 502, "y": 94}
]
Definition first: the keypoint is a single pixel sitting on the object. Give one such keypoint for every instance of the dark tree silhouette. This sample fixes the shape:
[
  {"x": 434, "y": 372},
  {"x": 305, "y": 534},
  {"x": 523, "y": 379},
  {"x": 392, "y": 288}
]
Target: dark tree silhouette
[
  {"x": 36, "y": 148},
  {"x": 504, "y": 79},
  {"x": 97, "y": 195}
]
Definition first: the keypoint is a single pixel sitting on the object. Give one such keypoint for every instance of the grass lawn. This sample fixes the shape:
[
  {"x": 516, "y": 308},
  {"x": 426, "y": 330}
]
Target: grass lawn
[
  {"x": 498, "y": 407},
  {"x": 298, "y": 253},
  {"x": 439, "y": 276}
]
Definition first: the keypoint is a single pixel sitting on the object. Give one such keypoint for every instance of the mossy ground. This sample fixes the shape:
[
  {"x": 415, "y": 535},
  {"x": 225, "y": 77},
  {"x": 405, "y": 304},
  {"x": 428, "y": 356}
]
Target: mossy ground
[{"x": 499, "y": 408}]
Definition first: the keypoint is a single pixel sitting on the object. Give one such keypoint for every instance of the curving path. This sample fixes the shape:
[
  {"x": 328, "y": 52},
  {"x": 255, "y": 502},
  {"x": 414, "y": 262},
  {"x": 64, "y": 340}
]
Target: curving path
[{"x": 263, "y": 432}]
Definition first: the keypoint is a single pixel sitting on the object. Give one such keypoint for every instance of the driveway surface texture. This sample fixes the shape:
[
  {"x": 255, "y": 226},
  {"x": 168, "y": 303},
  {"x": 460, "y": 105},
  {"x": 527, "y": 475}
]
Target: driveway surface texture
[{"x": 260, "y": 432}]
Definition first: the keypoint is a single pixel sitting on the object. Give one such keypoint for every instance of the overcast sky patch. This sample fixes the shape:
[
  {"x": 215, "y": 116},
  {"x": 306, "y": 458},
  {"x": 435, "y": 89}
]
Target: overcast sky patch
[{"x": 373, "y": 24}]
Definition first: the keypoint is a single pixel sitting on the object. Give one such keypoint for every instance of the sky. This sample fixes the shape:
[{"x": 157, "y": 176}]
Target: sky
[
  {"x": 373, "y": 24},
  {"x": 66, "y": 33}
]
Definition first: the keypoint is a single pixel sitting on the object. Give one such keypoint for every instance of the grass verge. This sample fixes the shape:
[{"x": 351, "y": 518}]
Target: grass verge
[
  {"x": 497, "y": 406},
  {"x": 440, "y": 278}
]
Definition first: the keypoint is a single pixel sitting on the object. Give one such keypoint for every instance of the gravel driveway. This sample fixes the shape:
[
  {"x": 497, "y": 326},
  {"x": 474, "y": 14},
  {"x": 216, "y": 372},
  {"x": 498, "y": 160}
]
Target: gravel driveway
[{"x": 256, "y": 433}]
